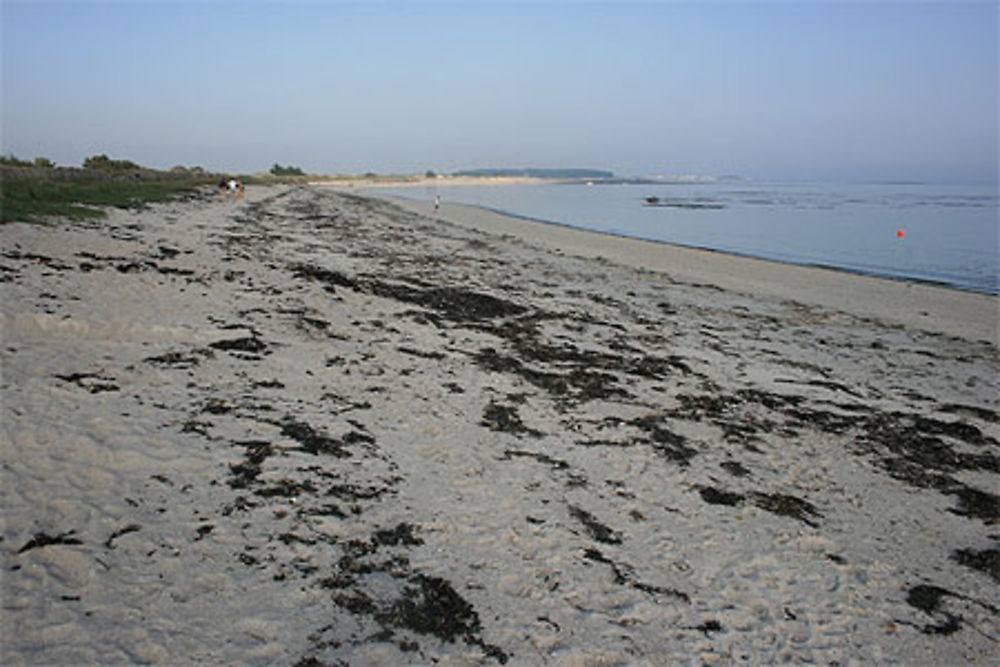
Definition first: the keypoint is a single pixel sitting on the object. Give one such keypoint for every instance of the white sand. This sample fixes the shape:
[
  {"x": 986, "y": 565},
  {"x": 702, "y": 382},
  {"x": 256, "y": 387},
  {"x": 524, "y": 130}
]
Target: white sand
[{"x": 311, "y": 428}]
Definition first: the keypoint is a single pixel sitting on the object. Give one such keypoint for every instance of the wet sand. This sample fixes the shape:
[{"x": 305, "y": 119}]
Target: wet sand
[{"x": 316, "y": 428}]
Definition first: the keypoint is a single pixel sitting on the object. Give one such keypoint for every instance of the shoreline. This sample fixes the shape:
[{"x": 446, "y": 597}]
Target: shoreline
[{"x": 925, "y": 305}]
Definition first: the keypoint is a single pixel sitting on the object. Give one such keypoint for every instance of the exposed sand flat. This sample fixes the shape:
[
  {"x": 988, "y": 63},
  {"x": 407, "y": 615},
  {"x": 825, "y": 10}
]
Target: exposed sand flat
[{"x": 314, "y": 428}]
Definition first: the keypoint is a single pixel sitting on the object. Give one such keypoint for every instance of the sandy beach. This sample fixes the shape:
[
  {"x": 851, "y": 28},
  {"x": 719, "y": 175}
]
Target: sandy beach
[{"x": 316, "y": 428}]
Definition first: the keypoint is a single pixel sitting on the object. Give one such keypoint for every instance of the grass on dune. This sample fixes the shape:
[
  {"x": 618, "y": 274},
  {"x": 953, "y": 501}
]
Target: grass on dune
[{"x": 34, "y": 199}]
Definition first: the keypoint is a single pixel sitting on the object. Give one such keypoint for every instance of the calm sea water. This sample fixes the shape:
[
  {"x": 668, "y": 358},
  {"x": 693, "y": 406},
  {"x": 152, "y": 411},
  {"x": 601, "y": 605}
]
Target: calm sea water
[{"x": 950, "y": 233}]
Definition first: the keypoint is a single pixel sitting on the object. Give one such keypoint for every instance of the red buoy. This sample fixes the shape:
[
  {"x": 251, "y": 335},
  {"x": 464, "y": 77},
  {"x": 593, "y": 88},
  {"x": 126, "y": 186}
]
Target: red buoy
[{"x": 900, "y": 233}]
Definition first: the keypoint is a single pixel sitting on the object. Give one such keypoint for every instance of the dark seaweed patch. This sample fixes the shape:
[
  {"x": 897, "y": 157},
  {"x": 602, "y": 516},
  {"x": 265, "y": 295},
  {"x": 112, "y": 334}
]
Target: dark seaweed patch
[
  {"x": 330, "y": 278},
  {"x": 286, "y": 488},
  {"x": 776, "y": 503},
  {"x": 246, "y": 344},
  {"x": 504, "y": 418},
  {"x": 735, "y": 468},
  {"x": 709, "y": 626},
  {"x": 664, "y": 441},
  {"x": 92, "y": 382},
  {"x": 131, "y": 528},
  {"x": 43, "y": 540},
  {"x": 385, "y": 589},
  {"x": 985, "y": 414},
  {"x": 578, "y": 384},
  {"x": 452, "y": 303},
  {"x": 558, "y": 464},
  {"x": 402, "y": 534},
  {"x": 178, "y": 359},
  {"x": 245, "y": 473},
  {"x": 313, "y": 442},
  {"x": 927, "y": 599},
  {"x": 595, "y": 528},
  {"x": 715, "y": 496},
  {"x": 422, "y": 354},
  {"x": 430, "y": 606},
  {"x": 624, "y": 576},
  {"x": 785, "y": 505},
  {"x": 986, "y": 560},
  {"x": 976, "y": 504}
]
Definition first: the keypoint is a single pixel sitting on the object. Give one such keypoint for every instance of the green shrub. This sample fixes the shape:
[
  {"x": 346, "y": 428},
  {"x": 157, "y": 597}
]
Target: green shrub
[
  {"x": 12, "y": 161},
  {"x": 104, "y": 163},
  {"x": 278, "y": 170},
  {"x": 28, "y": 199}
]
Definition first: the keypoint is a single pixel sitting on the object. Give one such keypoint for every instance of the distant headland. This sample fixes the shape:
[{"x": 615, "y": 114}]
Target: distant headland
[{"x": 532, "y": 172}]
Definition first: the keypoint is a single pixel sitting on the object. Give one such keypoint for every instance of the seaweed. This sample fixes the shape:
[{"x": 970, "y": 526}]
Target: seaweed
[
  {"x": 735, "y": 468},
  {"x": 131, "y": 528},
  {"x": 715, "y": 496},
  {"x": 92, "y": 382},
  {"x": 927, "y": 599},
  {"x": 402, "y": 534},
  {"x": 313, "y": 442},
  {"x": 430, "y": 606},
  {"x": 986, "y": 561},
  {"x": 665, "y": 442},
  {"x": 245, "y": 344},
  {"x": 558, "y": 464},
  {"x": 44, "y": 539},
  {"x": 244, "y": 474},
  {"x": 595, "y": 528},
  {"x": 577, "y": 385},
  {"x": 786, "y": 505},
  {"x": 623, "y": 576},
  {"x": 504, "y": 418},
  {"x": 976, "y": 504}
]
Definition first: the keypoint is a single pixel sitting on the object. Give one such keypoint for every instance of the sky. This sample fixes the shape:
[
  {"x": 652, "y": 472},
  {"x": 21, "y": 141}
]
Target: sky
[{"x": 848, "y": 90}]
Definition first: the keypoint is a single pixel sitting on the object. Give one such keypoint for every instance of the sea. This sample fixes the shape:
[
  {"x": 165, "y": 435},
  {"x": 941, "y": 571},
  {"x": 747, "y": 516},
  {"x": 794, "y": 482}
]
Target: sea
[{"x": 947, "y": 234}]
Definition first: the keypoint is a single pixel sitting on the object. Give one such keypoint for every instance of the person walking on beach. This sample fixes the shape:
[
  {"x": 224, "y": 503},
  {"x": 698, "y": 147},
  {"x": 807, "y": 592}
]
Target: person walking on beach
[
  {"x": 437, "y": 202},
  {"x": 235, "y": 188}
]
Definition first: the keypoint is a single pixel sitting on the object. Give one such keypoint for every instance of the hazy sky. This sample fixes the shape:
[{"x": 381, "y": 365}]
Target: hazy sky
[{"x": 841, "y": 90}]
